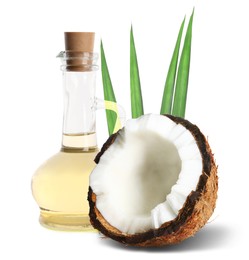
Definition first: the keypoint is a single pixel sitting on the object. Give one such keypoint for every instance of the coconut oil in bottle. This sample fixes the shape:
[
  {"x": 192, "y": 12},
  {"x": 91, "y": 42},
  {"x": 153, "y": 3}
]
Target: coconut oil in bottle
[{"x": 60, "y": 185}]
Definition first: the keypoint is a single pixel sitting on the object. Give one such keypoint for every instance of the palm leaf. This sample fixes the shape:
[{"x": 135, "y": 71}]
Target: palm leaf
[
  {"x": 180, "y": 97},
  {"x": 135, "y": 88},
  {"x": 109, "y": 95},
  {"x": 168, "y": 93}
]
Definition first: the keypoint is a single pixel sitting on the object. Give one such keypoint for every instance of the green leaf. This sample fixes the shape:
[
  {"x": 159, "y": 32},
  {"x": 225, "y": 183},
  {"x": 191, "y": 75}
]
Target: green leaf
[
  {"x": 135, "y": 88},
  {"x": 109, "y": 95},
  {"x": 168, "y": 93},
  {"x": 181, "y": 89}
]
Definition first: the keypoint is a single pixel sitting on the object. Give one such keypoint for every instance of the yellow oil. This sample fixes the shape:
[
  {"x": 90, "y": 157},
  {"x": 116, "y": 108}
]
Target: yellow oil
[{"x": 60, "y": 187}]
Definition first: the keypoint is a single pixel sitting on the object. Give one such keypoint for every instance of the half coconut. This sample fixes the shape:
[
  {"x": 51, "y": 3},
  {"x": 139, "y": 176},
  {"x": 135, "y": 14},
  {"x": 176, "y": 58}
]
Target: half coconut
[{"x": 155, "y": 182}]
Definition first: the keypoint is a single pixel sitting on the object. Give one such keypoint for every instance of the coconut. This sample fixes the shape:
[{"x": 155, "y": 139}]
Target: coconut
[{"x": 155, "y": 182}]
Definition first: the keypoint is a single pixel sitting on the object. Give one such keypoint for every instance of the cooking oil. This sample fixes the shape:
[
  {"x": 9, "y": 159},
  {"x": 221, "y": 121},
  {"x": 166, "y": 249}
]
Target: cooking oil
[{"x": 60, "y": 187}]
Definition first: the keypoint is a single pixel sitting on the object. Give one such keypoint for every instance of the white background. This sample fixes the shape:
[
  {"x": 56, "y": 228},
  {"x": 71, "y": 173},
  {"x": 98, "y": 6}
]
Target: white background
[{"x": 31, "y": 110}]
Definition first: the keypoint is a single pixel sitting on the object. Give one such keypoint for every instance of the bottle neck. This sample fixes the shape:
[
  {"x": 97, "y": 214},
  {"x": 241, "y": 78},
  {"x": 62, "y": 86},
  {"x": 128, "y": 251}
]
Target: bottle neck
[{"x": 79, "y": 107}]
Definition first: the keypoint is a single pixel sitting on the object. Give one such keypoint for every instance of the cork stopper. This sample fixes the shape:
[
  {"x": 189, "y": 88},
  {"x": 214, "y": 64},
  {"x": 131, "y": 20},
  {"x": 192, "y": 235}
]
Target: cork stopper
[
  {"x": 79, "y": 41},
  {"x": 77, "y": 44}
]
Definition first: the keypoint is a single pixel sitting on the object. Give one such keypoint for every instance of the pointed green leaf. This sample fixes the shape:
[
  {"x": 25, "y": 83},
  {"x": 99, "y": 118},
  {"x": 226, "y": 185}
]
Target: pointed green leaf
[
  {"x": 181, "y": 89},
  {"x": 170, "y": 80},
  {"x": 135, "y": 88},
  {"x": 108, "y": 91}
]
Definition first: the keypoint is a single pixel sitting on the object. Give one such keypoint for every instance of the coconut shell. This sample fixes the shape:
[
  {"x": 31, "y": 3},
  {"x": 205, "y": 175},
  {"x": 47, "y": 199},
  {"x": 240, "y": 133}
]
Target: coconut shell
[{"x": 194, "y": 214}]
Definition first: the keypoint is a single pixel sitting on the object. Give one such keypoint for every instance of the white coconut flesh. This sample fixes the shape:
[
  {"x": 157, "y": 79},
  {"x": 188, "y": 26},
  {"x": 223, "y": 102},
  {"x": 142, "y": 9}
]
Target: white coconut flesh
[{"x": 143, "y": 179}]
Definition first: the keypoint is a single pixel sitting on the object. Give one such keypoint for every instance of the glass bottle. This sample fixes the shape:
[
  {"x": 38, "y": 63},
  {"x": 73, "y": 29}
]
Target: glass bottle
[{"x": 60, "y": 185}]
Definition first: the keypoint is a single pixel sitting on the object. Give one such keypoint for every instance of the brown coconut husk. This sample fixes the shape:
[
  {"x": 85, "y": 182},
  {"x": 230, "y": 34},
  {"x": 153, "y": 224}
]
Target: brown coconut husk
[{"x": 194, "y": 214}]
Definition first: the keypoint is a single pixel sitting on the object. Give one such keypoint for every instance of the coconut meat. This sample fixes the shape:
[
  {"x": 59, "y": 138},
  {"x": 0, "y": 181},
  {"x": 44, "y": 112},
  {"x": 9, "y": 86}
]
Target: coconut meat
[{"x": 143, "y": 179}]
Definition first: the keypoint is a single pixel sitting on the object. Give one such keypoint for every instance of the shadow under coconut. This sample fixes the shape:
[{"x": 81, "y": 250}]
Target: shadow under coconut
[{"x": 209, "y": 237}]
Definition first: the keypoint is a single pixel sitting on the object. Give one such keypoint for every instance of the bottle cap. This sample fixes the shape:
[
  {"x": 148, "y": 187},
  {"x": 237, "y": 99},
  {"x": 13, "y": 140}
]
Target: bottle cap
[
  {"x": 79, "y": 41},
  {"x": 79, "y": 47}
]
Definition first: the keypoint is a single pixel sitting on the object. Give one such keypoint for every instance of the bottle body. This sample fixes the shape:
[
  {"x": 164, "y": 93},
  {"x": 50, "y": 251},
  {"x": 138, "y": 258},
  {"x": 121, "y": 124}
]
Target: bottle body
[{"x": 60, "y": 185}]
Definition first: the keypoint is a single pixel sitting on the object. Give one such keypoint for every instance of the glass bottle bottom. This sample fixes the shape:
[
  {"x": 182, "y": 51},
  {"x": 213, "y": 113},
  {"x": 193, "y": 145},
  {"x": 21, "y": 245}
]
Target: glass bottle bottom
[{"x": 65, "y": 222}]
